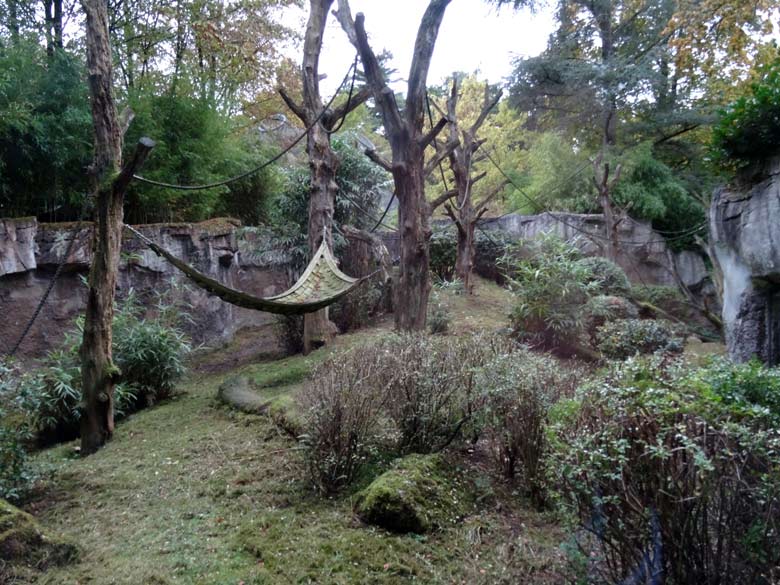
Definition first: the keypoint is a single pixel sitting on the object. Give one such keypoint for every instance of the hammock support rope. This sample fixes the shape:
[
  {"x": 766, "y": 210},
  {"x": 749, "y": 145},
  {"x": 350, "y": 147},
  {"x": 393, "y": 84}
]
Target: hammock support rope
[{"x": 321, "y": 284}]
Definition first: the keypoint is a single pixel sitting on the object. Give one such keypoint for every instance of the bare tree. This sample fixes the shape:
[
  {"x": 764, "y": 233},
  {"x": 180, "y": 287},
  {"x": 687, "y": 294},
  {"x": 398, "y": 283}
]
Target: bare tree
[
  {"x": 408, "y": 141},
  {"x": 605, "y": 186},
  {"x": 323, "y": 161},
  {"x": 466, "y": 211},
  {"x": 98, "y": 372}
]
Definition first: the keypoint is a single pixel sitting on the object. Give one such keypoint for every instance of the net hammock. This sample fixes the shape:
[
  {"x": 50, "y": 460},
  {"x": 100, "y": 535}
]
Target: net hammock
[{"x": 321, "y": 284}]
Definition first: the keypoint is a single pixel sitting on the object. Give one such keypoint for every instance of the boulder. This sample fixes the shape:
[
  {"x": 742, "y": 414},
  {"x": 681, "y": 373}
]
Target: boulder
[
  {"x": 24, "y": 542},
  {"x": 418, "y": 494}
]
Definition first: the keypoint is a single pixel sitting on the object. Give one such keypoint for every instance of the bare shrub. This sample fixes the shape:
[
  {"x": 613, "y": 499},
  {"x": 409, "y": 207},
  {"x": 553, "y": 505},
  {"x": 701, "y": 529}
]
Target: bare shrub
[
  {"x": 519, "y": 390},
  {"x": 434, "y": 396},
  {"x": 341, "y": 408}
]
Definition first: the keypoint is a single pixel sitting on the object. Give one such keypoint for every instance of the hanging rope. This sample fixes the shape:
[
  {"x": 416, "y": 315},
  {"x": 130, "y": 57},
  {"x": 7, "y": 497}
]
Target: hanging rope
[
  {"x": 349, "y": 99},
  {"x": 264, "y": 165}
]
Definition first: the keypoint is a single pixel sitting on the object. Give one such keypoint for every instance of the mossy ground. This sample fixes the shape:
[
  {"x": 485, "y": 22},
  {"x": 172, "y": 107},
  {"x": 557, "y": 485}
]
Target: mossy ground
[{"x": 193, "y": 492}]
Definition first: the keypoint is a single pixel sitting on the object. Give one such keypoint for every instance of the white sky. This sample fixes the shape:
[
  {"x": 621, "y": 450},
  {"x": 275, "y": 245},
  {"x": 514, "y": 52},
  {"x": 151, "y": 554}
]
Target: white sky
[{"x": 473, "y": 35}]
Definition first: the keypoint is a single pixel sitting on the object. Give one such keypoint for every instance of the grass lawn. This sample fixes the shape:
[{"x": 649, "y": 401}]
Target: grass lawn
[{"x": 193, "y": 492}]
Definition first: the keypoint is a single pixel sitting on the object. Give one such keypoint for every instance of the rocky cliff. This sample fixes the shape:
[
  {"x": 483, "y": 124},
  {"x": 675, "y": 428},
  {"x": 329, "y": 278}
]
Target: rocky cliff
[
  {"x": 30, "y": 253},
  {"x": 745, "y": 235}
]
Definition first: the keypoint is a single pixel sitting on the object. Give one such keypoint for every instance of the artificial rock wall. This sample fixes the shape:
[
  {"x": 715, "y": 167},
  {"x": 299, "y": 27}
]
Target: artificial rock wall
[
  {"x": 745, "y": 235},
  {"x": 30, "y": 253}
]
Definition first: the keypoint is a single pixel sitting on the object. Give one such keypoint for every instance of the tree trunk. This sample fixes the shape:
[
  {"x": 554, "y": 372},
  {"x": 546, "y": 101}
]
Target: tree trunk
[
  {"x": 464, "y": 262},
  {"x": 57, "y": 24},
  {"x": 323, "y": 165},
  {"x": 98, "y": 373},
  {"x": 414, "y": 287},
  {"x": 408, "y": 143},
  {"x": 13, "y": 21}
]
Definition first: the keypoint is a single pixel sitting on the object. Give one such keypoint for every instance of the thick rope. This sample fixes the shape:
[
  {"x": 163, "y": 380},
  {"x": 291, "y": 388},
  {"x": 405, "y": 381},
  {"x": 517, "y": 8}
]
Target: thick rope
[{"x": 258, "y": 168}]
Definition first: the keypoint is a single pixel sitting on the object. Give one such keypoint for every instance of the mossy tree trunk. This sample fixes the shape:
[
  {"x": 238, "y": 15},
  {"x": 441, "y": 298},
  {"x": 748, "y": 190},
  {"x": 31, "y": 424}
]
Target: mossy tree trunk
[{"x": 98, "y": 373}]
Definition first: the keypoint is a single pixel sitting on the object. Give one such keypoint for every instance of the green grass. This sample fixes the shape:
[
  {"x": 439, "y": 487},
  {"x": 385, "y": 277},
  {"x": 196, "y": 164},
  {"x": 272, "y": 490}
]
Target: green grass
[{"x": 191, "y": 492}]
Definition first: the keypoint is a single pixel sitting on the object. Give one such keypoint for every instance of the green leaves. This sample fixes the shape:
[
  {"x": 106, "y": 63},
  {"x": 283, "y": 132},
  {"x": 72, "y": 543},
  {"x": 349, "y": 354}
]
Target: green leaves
[{"x": 749, "y": 128}]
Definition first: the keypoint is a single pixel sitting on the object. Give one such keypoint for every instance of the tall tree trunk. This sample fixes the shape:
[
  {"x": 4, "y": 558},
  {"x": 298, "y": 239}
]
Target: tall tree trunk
[
  {"x": 13, "y": 20},
  {"x": 98, "y": 373},
  {"x": 57, "y": 24},
  {"x": 323, "y": 161},
  {"x": 414, "y": 286},
  {"x": 464, "y": 262},
  {"x": 48, "y": 25},
  {"x": 407, "y": 141}
]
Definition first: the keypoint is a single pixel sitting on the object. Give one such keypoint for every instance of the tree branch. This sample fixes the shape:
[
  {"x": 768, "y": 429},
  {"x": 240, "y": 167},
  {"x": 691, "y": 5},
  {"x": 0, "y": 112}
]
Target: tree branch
[
  {"x": 142, "y": 150},
  {"x": 489, "y": 105},
  {"x": 295, "y": 107},
  {"x": 377, "y": 158},
  {"x": 433, "y": 133},
  {"x": 344, "y": 109},
  {"x": 448, "y": 148},
  {"x": 443, "y": 197},
  {"x": 482, "y": 207},
  {"x": 375, "y": 78},
  {"x": 421, "y": 61}
]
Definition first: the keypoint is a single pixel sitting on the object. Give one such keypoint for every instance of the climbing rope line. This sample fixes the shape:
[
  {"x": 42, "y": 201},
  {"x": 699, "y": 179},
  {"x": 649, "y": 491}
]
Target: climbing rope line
[
  {"x": 264, "y": 165},
  {"x": 58, "y": 271},
  {"x": 349, "y": 99}
]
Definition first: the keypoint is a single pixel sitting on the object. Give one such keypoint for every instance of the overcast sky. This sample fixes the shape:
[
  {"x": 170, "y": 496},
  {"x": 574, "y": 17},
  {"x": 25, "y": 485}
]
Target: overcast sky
[{"x": 473, "y": 36}]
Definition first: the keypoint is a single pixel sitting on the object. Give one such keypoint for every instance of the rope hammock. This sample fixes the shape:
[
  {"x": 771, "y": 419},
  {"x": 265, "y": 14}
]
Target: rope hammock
[{"x": 321, "y": 284}]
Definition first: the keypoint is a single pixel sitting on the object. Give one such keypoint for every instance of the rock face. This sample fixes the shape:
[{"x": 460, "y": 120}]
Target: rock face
[
  {"x": 745, "y": 231},
  {"x": 30, "y": 253}
]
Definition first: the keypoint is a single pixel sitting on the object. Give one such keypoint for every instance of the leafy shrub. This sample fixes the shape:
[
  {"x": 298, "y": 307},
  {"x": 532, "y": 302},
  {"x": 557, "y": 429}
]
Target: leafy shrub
[
  {"x": 604, "y": 308},
  {"x": 434, "y": 396},
  {"x": 443, "y": 249},
  {"x": 624, "y": 338},
  {"x": 550, "y": 286},
  {"x": 151, "y": 357},
  {"x": 439, "y": 317},
  {"x": 608, "y": 278},
  {"x": 150, "y": 353},
  {"x": 519, "y": 390},
  {"x": 15, "y": 474},
  {"x": 666, "y": 471},
  {"x": 749, "y": 128},
  {"x": 341, "y": 407}
]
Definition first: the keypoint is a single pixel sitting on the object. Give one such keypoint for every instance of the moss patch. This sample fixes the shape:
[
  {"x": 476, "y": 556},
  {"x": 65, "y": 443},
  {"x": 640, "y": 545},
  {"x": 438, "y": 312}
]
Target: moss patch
[
  {"x": 23, "y": 542},
  {"x": 418, "y": 494}
]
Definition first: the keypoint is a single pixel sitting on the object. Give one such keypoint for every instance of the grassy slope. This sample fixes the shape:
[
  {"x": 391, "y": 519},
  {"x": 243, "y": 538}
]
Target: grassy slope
[{"x": 190, "y": 492}]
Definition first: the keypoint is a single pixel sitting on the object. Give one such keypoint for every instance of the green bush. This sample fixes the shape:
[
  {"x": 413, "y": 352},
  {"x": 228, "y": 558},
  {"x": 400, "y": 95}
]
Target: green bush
[
  {"x": 607, "y": 277},
  {"x": 519, "y": 390},
  {"x": 550, "y": 286},
  {"x": 150, "y": 353},
  {"x": 443, "y": 249},
  {"x": 439, "y": 317},
  {"x": 605, "y": 308},
  {"x": 434, "y": 397},
  {"x": 15, "y": 474},
  {"x": 749, "y": 128},
  {"x": 625, "y": 338},
  {"x": 402, "y": 394},
  {"x": 666, "y": 464}
]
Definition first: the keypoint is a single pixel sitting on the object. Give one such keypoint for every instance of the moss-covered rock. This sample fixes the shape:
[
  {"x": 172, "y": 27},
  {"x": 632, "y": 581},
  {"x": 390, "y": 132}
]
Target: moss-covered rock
[
  {"x": 22, "y": 541},
  {"x": 237, "y": 393},
  {"x": 419, "y": 494}
]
